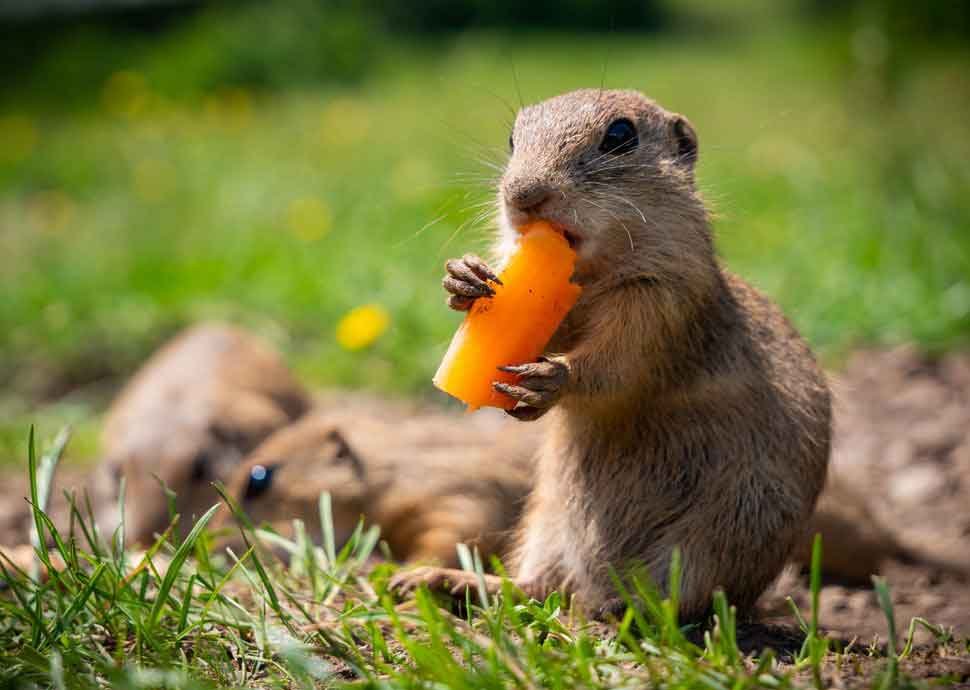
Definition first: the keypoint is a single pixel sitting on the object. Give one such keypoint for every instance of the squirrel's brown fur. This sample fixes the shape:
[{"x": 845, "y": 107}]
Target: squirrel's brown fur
[
  {"x": 428, "y": 480},
  {"x": 685, "y": 412},
  {"x": 190, "y": 414}
]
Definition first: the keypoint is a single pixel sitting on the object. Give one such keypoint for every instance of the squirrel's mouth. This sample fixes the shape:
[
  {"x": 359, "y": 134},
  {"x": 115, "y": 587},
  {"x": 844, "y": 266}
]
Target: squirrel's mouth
[
  {"x": 574, "y": 238},
  {"x": 572, "y": 235}
]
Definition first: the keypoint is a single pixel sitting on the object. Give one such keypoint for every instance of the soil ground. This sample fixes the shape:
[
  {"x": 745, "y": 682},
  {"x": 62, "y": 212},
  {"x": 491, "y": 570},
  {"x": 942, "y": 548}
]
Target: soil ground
[{"x": 903, "y": 441}]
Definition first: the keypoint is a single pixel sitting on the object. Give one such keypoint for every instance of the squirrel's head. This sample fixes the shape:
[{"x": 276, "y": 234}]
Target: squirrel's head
[
  {"x": 612, "y": 169},
  {"x": 283, "y": 479}
]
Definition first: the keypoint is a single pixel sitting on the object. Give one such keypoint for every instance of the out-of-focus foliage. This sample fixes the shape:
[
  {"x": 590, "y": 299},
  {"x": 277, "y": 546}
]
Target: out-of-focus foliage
[
  {"x": 920, "y": 22},
  {"x": 188, "y": 51},
  {"x": 437, "y": 15}
]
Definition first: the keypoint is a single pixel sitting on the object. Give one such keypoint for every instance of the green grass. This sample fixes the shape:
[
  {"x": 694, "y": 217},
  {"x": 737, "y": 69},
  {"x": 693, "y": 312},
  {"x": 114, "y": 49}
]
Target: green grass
[
  {"x": 839, "y": 186},
  {"x": 182, "y": 615}
]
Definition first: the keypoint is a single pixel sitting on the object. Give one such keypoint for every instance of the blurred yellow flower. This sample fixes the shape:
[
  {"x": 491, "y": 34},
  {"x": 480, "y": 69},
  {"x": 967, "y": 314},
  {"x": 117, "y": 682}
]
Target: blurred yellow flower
[
  {"x": 308, "y": 218},
  {"x": 153, "y": 179},
  {"x": 361, "y": 326},
  {"x": 126, "y": 93},
  {"x": 18, "y": 137}
]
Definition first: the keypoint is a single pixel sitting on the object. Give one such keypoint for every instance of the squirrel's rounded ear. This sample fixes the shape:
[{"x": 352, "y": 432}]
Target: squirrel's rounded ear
[
  {"x": 685, "y": 140},
  {"x": 346, "y": 453}
]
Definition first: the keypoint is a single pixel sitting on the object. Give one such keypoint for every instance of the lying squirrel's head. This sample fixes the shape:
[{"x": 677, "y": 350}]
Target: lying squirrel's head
[
  {"x": 615, "y": 172},
  {"x": 283, "y": 478}
]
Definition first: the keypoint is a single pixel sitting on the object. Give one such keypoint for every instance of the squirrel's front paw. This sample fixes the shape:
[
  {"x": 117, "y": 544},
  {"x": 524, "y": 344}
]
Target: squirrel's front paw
[
  {"x": 539, "y": 387},
  {"x": 466, "y": 280}
]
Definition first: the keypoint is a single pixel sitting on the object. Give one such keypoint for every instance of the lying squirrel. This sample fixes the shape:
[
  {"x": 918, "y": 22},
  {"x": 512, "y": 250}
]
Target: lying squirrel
[{"x": 429, "y": 480}]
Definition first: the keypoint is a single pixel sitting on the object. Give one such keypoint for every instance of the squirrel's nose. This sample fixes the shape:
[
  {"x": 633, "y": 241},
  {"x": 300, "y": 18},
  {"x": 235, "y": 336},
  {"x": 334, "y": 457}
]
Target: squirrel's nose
[{"x": 527, "y": 195}]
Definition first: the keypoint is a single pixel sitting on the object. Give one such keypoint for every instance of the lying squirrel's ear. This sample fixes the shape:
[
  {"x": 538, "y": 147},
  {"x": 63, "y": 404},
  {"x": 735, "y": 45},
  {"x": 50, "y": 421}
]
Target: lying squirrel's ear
[
  {"x": 347, "y": 454},
  {"x": 684, "y": 139}
]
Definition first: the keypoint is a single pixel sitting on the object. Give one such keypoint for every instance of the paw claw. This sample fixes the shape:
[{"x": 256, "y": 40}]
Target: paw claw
[
  {"x": 514, "y": 368},
  {"x": 466, "y": 280},
  {"x": 538, "y": 388},
  {"x": 462, "y": 288},
  {"x": 435, "y": 579},
  {"x": 404, "y": 583},
  {"x": 525, "y": 413},
  {"x": 480, "y": 268},
  {"x": 523, "y": 394}
]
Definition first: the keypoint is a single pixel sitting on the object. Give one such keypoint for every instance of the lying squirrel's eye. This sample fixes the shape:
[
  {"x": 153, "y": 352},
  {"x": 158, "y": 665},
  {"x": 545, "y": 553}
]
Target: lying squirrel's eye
[
  {"x": 621, "y": 137},
  {"x": 260, "y": 479},
  {"x": 511, "y": 143}
]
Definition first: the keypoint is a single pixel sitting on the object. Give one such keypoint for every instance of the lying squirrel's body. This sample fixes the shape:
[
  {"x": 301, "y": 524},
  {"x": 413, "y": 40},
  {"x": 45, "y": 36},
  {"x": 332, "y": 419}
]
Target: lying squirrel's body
[
  {"x": 685, "y": 411},
  {"x": 428, "y": 480}
]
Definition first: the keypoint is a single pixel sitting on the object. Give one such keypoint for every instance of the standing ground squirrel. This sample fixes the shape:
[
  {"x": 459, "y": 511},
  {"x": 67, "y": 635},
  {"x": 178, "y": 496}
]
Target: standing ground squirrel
[
  {"x": 684, "y": 411},
  {"x": 187, "y": 417}
]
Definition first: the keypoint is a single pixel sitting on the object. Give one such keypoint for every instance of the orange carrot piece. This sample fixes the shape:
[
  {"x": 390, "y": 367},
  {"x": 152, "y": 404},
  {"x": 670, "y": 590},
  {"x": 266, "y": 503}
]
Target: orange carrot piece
[{"x": 515, "y": 325}]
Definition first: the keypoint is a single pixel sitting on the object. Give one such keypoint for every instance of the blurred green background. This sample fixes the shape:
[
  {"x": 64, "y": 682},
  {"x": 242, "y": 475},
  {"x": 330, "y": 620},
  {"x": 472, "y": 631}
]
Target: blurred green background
[{"x": 282, "y": 164}]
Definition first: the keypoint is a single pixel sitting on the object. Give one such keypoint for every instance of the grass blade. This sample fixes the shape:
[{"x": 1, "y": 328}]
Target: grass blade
[
  {"x": 890, "y": 678},
  {"x": 183, "y": 551},
  {"x": 40, "y": 484},
  {"x": 326, "y": 524}
]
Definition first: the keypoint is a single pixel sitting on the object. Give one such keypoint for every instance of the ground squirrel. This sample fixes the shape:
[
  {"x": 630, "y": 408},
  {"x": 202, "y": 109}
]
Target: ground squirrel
[
  {"x": 190, "y": 413},
  {"x": 426, "y": 479},
  {"x": 684, "y": 411}
]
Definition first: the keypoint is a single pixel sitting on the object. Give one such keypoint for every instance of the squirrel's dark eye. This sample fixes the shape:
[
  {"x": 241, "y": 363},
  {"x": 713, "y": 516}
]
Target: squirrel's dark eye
[
  {"x": 621, "y": 137},
  {"x": 511, "y": 142},
  {"x": 260, "y": 479}
]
